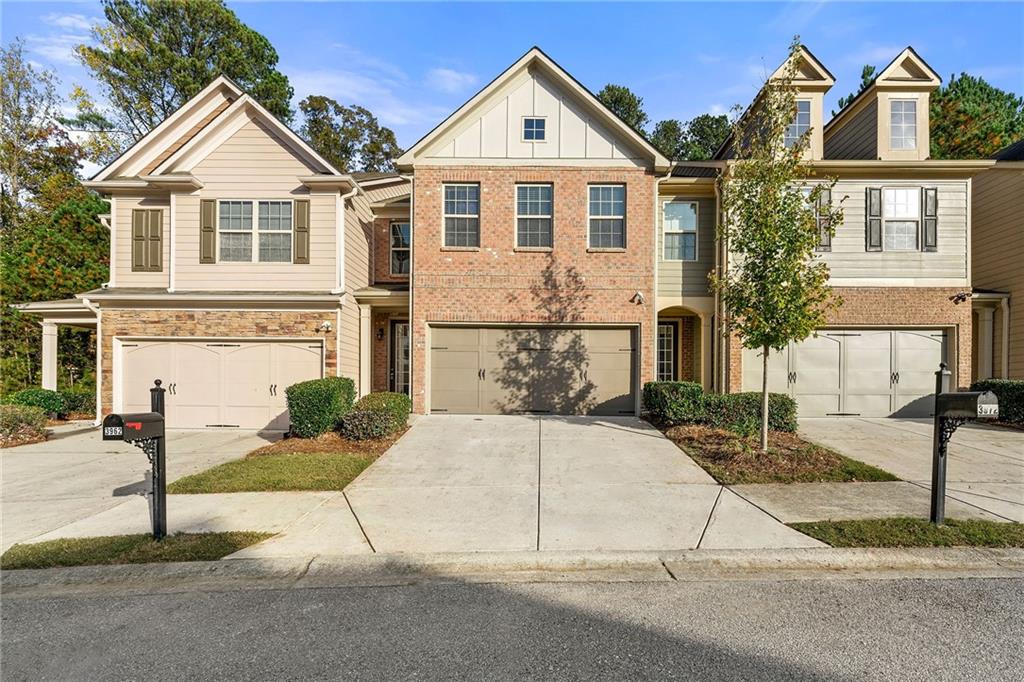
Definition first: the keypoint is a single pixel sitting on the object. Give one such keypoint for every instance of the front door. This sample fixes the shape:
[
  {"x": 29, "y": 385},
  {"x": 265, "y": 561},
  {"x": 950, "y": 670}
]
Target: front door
[{"x": 399, "y": 357}]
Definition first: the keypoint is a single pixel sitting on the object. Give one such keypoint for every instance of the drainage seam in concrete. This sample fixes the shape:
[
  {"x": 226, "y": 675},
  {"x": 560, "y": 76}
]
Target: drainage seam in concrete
[
  {"x": 706, "y": 524},
  {"x": 358, "y": 522},
  {"x": 987, "y": 511},
  {"x": 669, "y": 570},
  {"x": 756, "y": 505},
  {"x": 539, "y": 440}
]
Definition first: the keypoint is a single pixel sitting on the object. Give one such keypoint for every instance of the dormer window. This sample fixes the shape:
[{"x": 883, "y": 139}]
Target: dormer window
[
  {"x": 903, "y": 124},
  {"x": 801, "y": 123},
  {"x": 534, "y": 129}
]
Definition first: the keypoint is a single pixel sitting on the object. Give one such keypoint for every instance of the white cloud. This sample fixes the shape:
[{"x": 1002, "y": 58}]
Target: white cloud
[
  {"x": 873, "y": 53},
  {"x": 449, "y": 80},
  {"x": 56, "y": 47},
  {"x": 716, "y": 109},
  {"x": 73, "y": 22}
]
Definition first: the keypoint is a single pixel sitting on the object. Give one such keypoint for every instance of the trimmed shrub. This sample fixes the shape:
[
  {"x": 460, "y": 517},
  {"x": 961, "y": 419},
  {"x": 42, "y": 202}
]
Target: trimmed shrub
[
  {"x": 396, "y": 405},
  {"x": 315, "y": 407},
  {"x": 674, "y": 402},
  {"x": 1010, "y": 393},
  {"x": 50, "y": 402},
  {"x": 367, "y": 424},
  {"x": 79, "y": 402},
  {"x": 21, "y": 424}
]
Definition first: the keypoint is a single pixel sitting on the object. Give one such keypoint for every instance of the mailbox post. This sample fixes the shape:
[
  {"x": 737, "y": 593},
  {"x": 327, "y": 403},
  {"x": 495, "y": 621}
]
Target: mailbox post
[
  {"x": 145, "y": 430},
  {"x": 951, "y": 410}
]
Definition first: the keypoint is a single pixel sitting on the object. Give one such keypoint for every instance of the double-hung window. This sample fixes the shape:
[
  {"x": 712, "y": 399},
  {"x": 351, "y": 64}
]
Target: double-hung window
[
  {"x": 679, "y": 224},
  {"x": 607, "y": 216},
  {"x": 901, "y": 215},
  {"x": 462, "y": 215},
  {"x": 400, "y": 245},
  {"x": 667, "y": 341},
  {"x": 269, "y": 242},
  {"x": 533, "y": 216},
  {"x": 801, "y": 123},
  {"x": 903, "y": 124}
]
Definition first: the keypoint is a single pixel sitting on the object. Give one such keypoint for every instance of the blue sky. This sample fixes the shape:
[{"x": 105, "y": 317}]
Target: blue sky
[{"x": 413, "y": 64}]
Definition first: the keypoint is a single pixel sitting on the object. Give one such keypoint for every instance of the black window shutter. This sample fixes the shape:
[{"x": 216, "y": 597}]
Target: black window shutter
[
  {"x": 930, "y": 218},
  {"x": 824, "y": 237},
  {"x": 873, "y": 221},
  {"x": 208, "y": 231}
]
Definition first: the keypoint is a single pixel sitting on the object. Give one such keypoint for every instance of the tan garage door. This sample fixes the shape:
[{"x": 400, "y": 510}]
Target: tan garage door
[
  {"x": 218, "y": 383},
  {"x": 546, "y": 370}
]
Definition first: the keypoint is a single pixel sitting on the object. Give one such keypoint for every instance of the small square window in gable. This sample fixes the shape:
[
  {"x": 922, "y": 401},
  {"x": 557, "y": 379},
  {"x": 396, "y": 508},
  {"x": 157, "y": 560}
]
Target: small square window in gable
[{"x": 534, "y": 129}]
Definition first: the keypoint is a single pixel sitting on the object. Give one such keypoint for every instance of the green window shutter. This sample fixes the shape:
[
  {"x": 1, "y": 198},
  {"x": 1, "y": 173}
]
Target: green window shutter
[
  {"x": 208, "y": 231},
  {"x": 140, "y": 233},
  {"x": 930, "y": 218},
  {"x": 824, "y": 237},
  {"x": 300, "y": 227},
  {"x": 155, "y": 241},
  {"x": 873, "y": 221}
]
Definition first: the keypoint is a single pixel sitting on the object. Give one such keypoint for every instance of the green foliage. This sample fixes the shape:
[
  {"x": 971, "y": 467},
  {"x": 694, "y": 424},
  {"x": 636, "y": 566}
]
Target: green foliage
[
  {"x": 625, "y": 104},
  {"x": 151, "y": 56},
  {"x": 50, "y": 402},
  {"x": 79, "y": 402},
  {"x": 971, "y": 119},
  {"x": 316, "y": 406},
  {"x": 367, "y": 424},
  {"x": 669, "y": 137},
  {"x": 1010, "y": 393},
  {"x": 277, "y": 472},
  {"x": 350, "y": 138},
  {"x": 396, "y": 405},
  {"x": 704, "y": 135},
  {"x": 867, "y": 75},
  {"x": 685, "y": 402},
  {"x": 674, "y": 402},
  {"x": 912, "y": 532},
  {"x": 21, "y": 423}
]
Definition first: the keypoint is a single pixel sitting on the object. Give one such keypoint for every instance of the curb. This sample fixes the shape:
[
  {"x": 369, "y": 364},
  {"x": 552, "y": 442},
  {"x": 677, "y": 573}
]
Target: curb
[{"x": 515, "y": 567}]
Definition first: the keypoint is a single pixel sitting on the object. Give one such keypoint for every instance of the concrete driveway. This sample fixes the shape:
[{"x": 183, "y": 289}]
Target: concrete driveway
[
  {"x": 985, "y": 467},
  {"x": 75, "y": 475}
]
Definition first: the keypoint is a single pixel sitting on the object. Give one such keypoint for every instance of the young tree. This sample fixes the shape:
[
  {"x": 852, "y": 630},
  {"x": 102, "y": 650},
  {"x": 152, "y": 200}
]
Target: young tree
[
  {"x": 153, "y": 55},
  {"x": 349, "y": 137},
  {"x": 971, "y": 119},
  {"x": 774, "y": 289},
  {"x": 625, "y": 104}
]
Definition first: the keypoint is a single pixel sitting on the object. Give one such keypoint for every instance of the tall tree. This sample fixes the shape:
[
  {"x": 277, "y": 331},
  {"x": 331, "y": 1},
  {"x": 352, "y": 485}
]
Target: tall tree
[
  {"x": 670, "y": 138},
  {"x": 704, "y": 135},
  {"x": 625, "y": 104},
  {"x": 971, "y": 119},
  {"x": 867, "y": 74},
  {"x": 151, "y": 56},
  {"x": 349, "y": 137},
  {"x": 775, "y": 291}
]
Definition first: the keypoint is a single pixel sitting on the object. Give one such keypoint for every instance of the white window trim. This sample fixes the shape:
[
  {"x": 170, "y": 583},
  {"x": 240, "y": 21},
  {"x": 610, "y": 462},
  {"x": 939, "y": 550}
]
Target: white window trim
[
  {"x": 522, "y": 129},
  {"x": 255, "y": 232},
  {"x": 550, "y": 217},
  {"x": 917, "y": 220},
  {"x": 696, "y": 230},
  {"x": 625, "y": 227},
  {"x": 913, "y": 138},
  {"x": 445, "y": 215},
  {"x": 673, "y": 325},
  {"x": 392, "y": 249}
]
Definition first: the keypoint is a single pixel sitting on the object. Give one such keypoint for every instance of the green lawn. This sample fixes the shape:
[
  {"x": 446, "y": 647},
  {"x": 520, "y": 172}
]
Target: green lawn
[
  {"x": 287, "y": 471},
  {"x": 128, "y": 549},
  {"x": 908, "y": 532}
]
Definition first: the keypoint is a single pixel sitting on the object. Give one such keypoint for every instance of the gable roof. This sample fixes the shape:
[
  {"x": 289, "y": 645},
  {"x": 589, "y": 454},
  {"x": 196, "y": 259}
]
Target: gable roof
[
  {"x": 535, "y": 57},
  {"x": 1013, "y": 152}
]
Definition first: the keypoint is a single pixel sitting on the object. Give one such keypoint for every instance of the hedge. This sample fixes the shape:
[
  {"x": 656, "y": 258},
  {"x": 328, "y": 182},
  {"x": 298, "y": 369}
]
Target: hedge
[
  {"x": 315, "y": 407},
  {"x": 79, "y": 402},
  {"x": 681, "y": 402},
  {"x": 397, "y": 405},
  {"x": 366, "y": 424},
  {"x": 50, "y": 402},
  {"x": 1010, "y": 393},
  {"x": 21, "y": 423}
]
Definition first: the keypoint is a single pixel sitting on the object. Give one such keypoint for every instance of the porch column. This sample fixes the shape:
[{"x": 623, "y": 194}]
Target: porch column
[
  {"x": 986, "y": 327},
  {"x": 49, "y": 355},
  {"x": 705, "y": 352},
  {"x": 365, "y": 350}
]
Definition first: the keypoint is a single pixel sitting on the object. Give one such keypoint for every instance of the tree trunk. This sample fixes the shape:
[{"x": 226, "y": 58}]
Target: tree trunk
[{"x": 764, "y": 398}]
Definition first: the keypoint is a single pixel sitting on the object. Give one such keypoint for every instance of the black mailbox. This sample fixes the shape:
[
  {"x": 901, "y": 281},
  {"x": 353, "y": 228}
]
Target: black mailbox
[
  {"x": 967, "y": 405},
  {"x": 133, "y": 427}
]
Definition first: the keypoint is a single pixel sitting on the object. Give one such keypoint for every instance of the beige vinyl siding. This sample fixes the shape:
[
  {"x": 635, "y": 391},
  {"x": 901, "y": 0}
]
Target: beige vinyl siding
[
  {"x": 857, "y": 138},
  {"x": 848, "y": 259},
  {"x": 254, "y": 164},
  {"x": 348, "y": 350},
  {"x": 997, "y": 243},
  {"x": 688, "y": 278},
  {"x": 124, "y": 277},
  {"x": 358, "y": 240},
  {"x": 375, "y": 194}
]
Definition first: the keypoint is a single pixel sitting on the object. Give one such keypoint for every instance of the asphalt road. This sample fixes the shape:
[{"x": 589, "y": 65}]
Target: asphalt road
[{"x": 809, "y": 629}]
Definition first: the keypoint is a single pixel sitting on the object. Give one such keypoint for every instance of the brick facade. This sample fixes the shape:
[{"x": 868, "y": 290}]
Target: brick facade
[
  {"x": 499, "y": 284},
  {"x": 382, "y": 252},
  {"x": 210, "y": 324},
  {"x": 688, "y": 347},
  {"x": 892, "y": 307}
]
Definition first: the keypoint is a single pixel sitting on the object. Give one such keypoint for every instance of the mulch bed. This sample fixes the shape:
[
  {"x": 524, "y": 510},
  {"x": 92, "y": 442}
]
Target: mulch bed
[
  {"x": 18, "y": 439},
  {"x": 330, "y": 442}
]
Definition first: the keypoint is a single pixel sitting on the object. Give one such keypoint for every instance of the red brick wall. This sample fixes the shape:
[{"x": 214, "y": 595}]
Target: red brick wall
[
  {"x": 496, "y": 283},
  {"x": 382, "y": 252},
  {"x": 380, "y": 351},
  {"x": 688, "y": 347},
  {"x": 893, "y": 307},
  {"x": 211, "y": 323}
]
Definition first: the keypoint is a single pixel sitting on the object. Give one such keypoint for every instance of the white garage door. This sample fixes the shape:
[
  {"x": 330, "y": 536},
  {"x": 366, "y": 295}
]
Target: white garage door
[
  {"x": 218, "y": 383},
  {"x": 857, "y": 372}
]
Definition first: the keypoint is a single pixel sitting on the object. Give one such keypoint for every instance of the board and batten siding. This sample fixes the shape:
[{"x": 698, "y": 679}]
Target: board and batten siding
[
  {"x": 997, "y": 243},
  {"x": 123, "y": 241},
  {"x": 857, "y": 138},
  {"x": 848, "y": 260},
  {"x": 254, "y": 164},
  {"x": 688, "y": 278}
]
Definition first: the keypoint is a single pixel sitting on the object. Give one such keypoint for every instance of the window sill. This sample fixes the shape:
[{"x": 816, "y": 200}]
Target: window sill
[
  {"x": 679, "y": 260},
  {"x": 533, "y": 249},
  {"x": 460, "y": 248},
  {"x": 609, "y": 250}
]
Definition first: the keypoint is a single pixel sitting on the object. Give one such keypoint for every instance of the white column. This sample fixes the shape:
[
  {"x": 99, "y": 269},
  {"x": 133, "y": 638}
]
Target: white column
[
  {"x": 986, "y": 326},
  {"x": 365, "y": 350},
  {"x": 50, "y": 355}
]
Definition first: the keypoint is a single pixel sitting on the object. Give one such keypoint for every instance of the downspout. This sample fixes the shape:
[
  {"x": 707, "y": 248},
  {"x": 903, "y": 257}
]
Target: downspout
[
  {"x": 718, "y": 381},
  {"x": 99, "y": 358},
  {"x": 657, "y": 253},
  {"x": 412, "y": 274},
  {"x": 1004, "y": 307}
]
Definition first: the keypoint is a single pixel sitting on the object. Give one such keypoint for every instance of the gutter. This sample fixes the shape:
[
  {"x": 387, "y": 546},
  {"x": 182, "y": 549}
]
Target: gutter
[{"x": 657, "y": 253}]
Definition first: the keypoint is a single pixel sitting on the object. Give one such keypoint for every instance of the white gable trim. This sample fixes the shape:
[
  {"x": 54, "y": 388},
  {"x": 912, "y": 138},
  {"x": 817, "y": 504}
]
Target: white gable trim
[
  {"x": 140, "y": 154},
  {"x": 558, "y": 76},
  {"x": 908, "y": 54},
  {"x": 824, "y": 77}
]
